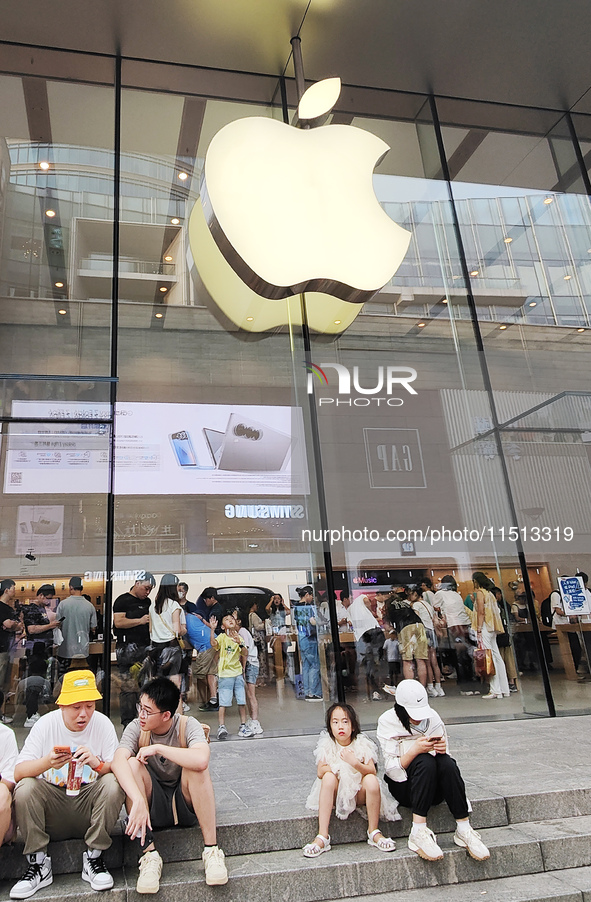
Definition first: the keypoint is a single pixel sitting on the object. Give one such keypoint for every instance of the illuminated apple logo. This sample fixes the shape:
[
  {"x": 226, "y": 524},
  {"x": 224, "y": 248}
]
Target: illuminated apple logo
[{"x": 293, "y": 210}]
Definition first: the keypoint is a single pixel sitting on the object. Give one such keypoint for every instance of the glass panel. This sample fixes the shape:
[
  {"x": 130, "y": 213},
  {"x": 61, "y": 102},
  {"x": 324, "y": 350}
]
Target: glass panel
[
  {"x": 53, "y": 526},
  {"x": 56, "y": 197},
  {"x": 528, "y": 275}
]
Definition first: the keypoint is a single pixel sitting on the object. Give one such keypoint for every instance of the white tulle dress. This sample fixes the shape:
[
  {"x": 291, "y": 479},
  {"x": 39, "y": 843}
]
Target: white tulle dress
[{"x": 328, "y": 752}]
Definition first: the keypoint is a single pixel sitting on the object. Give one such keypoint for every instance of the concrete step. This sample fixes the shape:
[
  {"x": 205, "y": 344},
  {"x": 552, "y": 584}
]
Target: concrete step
[
  {"x": 248, "y": 832},
  {"x": 355, "y": 869}
]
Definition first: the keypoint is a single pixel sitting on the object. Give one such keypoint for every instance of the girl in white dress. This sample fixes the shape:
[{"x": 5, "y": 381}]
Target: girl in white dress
[{"x": 347, "y": 777}]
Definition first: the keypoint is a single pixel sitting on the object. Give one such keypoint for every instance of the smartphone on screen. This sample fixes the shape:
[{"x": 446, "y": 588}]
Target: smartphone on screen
[{"x": 184, "y": 452}]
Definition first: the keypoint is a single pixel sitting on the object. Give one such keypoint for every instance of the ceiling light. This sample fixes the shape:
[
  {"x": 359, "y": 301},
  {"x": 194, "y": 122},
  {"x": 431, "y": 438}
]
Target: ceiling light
[
  {"x": 249, "y": 319},
  {"x": 580, "y": 330},
  {"x": 444, "y": 300},
  {"x": 548, "y": 200},
  {"x": 175, "y": 221},
  {"x": 50, "y": 213},
  {"x": 183, "y": 176},
  {"x": 59, "y": 284},
  {"x": 507, "y": 240},
  {"x": 533, "y": 303},
  {"x": 168, "y": 258},
  {"x": 502, "y": 327},
  {"x": 421, "y": 325},
  {"x": 337, "y": 322},
  {"x": 163, "y": 289},
  {"x": 474, "y": 272},
  {"x": 62, "y": 312},
  {"x": 159, "y": 315},
  {"x": 566, "y": 278},
  {"x": 44, "y": 165}
]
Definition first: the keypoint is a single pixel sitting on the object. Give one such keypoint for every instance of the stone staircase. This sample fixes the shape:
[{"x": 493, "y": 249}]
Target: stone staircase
[{"x": 540, "y": 850}]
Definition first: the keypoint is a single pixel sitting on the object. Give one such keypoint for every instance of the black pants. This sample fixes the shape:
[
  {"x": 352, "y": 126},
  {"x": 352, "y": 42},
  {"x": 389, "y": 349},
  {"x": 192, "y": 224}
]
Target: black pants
[{"x": 431, "y": 779}]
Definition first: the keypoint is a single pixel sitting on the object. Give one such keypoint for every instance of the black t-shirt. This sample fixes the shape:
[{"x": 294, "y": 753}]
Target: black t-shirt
[
  {"x": 6, "y": 613},
  {"x": 133, "y": 609},
  {"x": 401, "y": 614}
]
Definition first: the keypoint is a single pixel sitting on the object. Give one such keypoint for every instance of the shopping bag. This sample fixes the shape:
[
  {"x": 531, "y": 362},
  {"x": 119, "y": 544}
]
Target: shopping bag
[
  {"x": 480, "y": 661},
  {"x": 490, "y": 665}
]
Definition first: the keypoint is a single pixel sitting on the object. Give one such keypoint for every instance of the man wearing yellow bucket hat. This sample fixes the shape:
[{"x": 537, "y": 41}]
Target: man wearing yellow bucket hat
[{"x": 64, "y": 785}]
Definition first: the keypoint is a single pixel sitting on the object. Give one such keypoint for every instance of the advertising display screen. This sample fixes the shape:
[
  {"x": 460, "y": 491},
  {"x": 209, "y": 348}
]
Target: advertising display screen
[{"x": 160, "y": 449}]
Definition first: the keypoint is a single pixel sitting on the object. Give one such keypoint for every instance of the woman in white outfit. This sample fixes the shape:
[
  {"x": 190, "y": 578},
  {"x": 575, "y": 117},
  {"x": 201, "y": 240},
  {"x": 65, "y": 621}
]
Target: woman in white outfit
[{"x": 487, "y": 623}]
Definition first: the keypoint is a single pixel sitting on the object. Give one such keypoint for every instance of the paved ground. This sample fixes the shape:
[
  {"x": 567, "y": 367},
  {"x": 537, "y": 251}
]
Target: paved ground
[{"x": 505, "y": 758}]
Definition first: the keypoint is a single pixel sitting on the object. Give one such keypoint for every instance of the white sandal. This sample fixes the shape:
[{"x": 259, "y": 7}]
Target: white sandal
[
  {"x": 384, "y": 844},
  {"x": 313, "y": 850}
]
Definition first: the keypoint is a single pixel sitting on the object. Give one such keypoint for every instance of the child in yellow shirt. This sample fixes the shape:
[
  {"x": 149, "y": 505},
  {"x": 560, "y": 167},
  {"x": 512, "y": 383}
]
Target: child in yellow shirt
[{"x": 232, "y": 659}]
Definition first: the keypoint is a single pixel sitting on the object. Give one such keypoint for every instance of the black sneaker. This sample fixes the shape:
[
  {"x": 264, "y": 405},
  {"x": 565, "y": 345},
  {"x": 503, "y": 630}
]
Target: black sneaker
[
  {"x": 95, "y": 872},
  {"x": 37, "y": 875}
]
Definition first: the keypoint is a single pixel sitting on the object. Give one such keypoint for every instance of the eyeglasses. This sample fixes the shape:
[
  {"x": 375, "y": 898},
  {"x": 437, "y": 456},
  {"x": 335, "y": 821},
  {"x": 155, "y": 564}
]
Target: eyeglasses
[{"x": 141, "y": 710}]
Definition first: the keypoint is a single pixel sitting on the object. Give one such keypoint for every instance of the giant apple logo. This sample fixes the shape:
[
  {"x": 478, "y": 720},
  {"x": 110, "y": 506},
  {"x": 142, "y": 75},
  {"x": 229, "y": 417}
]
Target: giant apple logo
[{"x": 293, "y": 210}]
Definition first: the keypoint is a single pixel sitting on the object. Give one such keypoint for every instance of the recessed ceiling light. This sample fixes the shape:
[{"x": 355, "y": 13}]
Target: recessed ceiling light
[
  {"x": 533, "y": 303},
  {"x": 474, "y": 272},
  {"x": 548, "y": 200},
  {"x": 50, "y": 213},
  {"x": 566, "y": 278},
  {"x": 444, "y": 300},
  {"x": 44, "y": 165},
  {"x": 421, "y": 325},
  {"x": 507, "y": 240},
  {"x": 249, "y": 319},
  {"x": 183, "y": 176},
  {"x": 62, "y": 312},
  {"x": 159, "y": 315},
  {"x": 168, "y": 258},
  {"x": 59, "y": 284},
  {"x": 175, "y": 221},
  {"x": 163, "y": 289},
  {"x": 502, "y": 327},
  {"x": 337, "y": 322},
  {"x": 581, "y": 330}
]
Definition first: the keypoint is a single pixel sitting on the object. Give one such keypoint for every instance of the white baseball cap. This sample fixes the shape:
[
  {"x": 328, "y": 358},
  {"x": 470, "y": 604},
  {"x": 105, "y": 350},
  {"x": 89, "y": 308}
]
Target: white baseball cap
[{"x": 412, "y": 696}]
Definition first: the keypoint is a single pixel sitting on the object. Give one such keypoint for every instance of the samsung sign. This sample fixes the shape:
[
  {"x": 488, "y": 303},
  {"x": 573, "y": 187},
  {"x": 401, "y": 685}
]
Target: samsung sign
[{"x": 264, "y": 511}]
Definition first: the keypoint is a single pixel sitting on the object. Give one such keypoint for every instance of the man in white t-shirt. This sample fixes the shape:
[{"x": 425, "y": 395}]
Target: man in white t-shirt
[
  {"x": 369, "y": 639},
  {"x": 44, "y": 809},
  {"x": 8, "y": 756}
]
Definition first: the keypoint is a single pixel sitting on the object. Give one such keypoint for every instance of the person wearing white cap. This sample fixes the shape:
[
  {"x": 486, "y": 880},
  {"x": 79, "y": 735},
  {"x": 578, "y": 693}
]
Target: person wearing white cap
[{"x": 420, "y": 773}]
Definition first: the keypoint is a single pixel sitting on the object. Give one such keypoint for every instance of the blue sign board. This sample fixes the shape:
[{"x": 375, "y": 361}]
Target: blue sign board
[{"x": 574, "y": 598}]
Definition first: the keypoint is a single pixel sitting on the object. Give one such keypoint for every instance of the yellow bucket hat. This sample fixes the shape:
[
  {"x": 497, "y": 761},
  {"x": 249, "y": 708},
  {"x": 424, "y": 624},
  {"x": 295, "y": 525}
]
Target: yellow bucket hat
[{"x": 78, "y": 686}]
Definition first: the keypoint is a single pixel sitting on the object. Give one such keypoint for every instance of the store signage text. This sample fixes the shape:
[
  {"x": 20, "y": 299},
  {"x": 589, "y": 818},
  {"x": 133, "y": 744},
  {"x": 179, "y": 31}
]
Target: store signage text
[{"x": 265, "y": 511}]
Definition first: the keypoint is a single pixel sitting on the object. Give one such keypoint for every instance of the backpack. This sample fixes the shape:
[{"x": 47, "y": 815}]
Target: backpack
[{"x": 183, "y": 719}]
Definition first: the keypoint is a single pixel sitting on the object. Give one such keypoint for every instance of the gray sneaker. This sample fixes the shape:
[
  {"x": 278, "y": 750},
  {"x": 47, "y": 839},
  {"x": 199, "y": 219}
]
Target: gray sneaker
[
  {"x": 244, "y": 732},
  {"x": 37, "y": 875},
  {"x": 222, "y": 732}
]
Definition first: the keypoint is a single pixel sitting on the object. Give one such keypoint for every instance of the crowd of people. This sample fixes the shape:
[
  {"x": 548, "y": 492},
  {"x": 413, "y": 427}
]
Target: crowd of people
[{"x": 73, "y": 778}]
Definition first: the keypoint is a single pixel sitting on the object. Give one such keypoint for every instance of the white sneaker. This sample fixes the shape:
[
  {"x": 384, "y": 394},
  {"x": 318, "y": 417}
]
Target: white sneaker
[
  {"x": 255, "y": 726},
  {"x": 472, "y": 842},
  {"x": 186, "y": 708},
  {"x": 148, "y": 880},
  {"x": 35, "y": 877},
  {"x": 424, "y": 843},
  {"x": 222, "y": 732},
  {"x": 432, "y": 692},
  {"x": 30, "y": 721},
  {"x": 215, "y": 866},
  {"x": 440, "y": 691},
  {"x": 376, "y": 697},
  {"x": 244, "y": 732},
  {"x": 95, "y": 872}
]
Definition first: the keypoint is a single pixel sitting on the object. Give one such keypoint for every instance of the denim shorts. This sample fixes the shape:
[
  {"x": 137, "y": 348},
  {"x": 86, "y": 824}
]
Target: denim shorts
[
  {"x": 231, "y": 686},
  {"x": 251, "y": 672}
]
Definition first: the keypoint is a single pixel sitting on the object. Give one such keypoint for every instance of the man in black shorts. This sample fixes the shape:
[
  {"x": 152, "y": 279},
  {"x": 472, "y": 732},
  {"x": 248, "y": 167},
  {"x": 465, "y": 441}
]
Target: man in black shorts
[{"x": 162, "y": 764}]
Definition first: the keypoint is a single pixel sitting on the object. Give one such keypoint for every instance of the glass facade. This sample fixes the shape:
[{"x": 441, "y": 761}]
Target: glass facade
[{"x": 159, "y": 418}]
